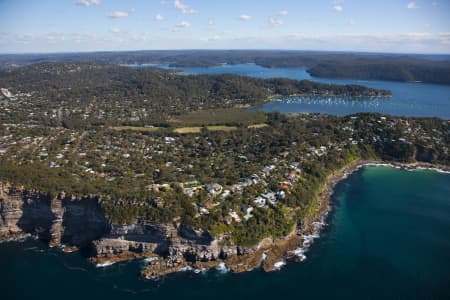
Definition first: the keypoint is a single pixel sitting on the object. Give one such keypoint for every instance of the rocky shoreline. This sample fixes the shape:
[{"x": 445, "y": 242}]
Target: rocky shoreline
[
  {"x": 166, "y": 248},
  {"x": 271, "y": 254}
]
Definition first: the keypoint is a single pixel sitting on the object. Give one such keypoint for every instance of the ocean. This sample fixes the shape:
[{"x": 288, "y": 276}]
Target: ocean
[{"x": 387, "y": 238}]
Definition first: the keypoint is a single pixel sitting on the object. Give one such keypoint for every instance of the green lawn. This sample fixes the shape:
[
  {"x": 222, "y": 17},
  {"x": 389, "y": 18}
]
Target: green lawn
[
  {"x": 227, "y": 116},
  {"x": 136, "y": 128}
]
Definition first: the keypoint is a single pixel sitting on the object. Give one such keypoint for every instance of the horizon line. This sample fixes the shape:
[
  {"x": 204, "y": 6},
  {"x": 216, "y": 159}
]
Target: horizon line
[{"x": 224, "y": 49}]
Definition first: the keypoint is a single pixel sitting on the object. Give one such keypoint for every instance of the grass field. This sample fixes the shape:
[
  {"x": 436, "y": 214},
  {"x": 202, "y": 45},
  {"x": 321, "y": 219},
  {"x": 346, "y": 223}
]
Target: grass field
[
  {"x": 227, "y": 119},
  {"x": 136, "y": 128},
  {"x": 221, "y": 128},
  {"x": 197, "y": 129},
  {"x": 183, "y": 130},
  {"x": 227, "y": 116},
  {"x": 257, "y": 126}
]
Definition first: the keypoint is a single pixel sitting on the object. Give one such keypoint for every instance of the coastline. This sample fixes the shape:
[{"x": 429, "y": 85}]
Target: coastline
[
  {"x": 313, "y": 225},
  {"x": 270, "y": 254},
  {"x": 324, "y": 197}
]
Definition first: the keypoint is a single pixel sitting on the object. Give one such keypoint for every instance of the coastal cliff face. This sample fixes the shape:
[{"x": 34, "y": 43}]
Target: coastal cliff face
[
  {"x": 60, "y": 220},
  {"x": 167, "y": 247},
  {"x": 81, "y": 224},
  {"x": 23, "y": 213}
]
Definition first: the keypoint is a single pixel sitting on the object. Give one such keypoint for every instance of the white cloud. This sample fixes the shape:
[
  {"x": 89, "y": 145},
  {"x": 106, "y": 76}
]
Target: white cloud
[
  {"x": 183, "y": 24},
  {"x": 55, "y": 37},
  {"x": 338, "y": 8},
  {"x": 115, "y": 30},
  {"x": 88, "y": 2},
  {"x": 275, "y": 22},
  {"x": 159, "y": 18},
  {"x": 412, "y": 5},
  {"x": 211, "y": 22},
  {"x": 407, "y": 42},
  {"x": 283, "y": 13},
  {"x": 245, "y": 17},
  {"x": 419, "y": 42},
  {"x": 214, "y": 38},
  {"x": 185, "y": 9},
  {"x": 118, "y": 14}
]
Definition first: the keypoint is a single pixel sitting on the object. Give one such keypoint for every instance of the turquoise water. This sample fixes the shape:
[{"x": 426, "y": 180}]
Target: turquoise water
[
  {"x": 409, "y": 99},
  {"x": 388, "y": 238}
]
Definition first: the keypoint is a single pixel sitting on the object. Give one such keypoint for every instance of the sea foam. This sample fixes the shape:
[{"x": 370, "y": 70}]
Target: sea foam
[
  {"x": 279, "y": 264},
  {"x": 105, "y": 264},
  {"x": 222, "y": 268}
]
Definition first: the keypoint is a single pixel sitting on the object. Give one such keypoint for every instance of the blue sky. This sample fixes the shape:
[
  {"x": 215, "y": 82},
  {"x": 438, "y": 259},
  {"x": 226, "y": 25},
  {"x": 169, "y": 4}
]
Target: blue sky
[{"x": 420, "y": 26}]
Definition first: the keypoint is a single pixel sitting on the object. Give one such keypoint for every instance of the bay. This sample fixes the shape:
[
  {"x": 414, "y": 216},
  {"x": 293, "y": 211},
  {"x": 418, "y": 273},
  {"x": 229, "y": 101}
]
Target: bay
[
  {"x": 387, "y": 238},
  {"x": 408, "y": 98}
]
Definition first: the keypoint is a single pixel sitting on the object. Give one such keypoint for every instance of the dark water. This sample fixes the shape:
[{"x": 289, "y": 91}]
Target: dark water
[
  {"x": 409, "y": 99},
  {"x": 388, "y": 238}
]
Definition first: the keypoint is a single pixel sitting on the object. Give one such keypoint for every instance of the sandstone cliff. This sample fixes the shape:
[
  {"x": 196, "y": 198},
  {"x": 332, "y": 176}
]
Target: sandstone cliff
[
  {"x": 80, "y": 223},
  {"x": 60, "y": 220}
]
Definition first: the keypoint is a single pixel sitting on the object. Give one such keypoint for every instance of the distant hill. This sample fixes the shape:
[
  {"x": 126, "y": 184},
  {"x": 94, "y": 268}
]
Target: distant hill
[{"x": 366, "y": 66}]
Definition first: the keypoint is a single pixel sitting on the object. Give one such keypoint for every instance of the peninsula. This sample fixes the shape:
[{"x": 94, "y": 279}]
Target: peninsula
[{"x": 148, "y": 164}]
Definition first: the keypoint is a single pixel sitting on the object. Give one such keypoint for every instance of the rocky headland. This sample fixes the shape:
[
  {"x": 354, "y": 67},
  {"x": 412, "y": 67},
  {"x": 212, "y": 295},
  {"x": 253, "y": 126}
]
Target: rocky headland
[{"x": 74, "y": 223}]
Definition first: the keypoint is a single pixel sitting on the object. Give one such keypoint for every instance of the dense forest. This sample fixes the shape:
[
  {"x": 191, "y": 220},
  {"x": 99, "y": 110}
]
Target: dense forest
[
  {"x": 385, "y": 69},
  {"x": 322, "y": 64}
]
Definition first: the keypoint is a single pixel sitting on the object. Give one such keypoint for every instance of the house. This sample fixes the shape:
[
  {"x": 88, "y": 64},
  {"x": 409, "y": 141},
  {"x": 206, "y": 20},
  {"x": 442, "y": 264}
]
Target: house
[
  {"x": 153, "y": 187},
  {"x": 226, "y": 193},
  {"x": 248, "y": 209},
  {"x": 284, "y": 154},
  {"x": 255, "y": 178},
  {"x": 247, "y": 217},
  {"x": 164, "y": 187},
  {"x": 214, "y": 189},
  {"x": 6, "y": 93},
  {"x": 242, "y": 184},
  {"x": 285, "y": 187},
  {"x": 235, "y": 216},
  {"x": 158, "y": 187},
  {"x": 203, "y": 211},
  {"x": 192, "y": 190},
  {"x": 270, "y": 197},
  {"x": 291, "y": 176},
  {"x": 267, "y": 169},
  {"x": 158, "y": 202},
  {"x": 246, "y": 182},
  {"x": 295, "y": 166},
  {"x": 280, "y": 195},
  {"x": 209, "y": 203},
  {"x": 260, "y": 201},
  {"x": 228, "y": 219},
  {"x": 169, "y": 140}
]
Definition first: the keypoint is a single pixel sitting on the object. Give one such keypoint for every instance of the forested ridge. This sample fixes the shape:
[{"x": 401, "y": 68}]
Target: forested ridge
[{"x": 366, "y": 66}]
